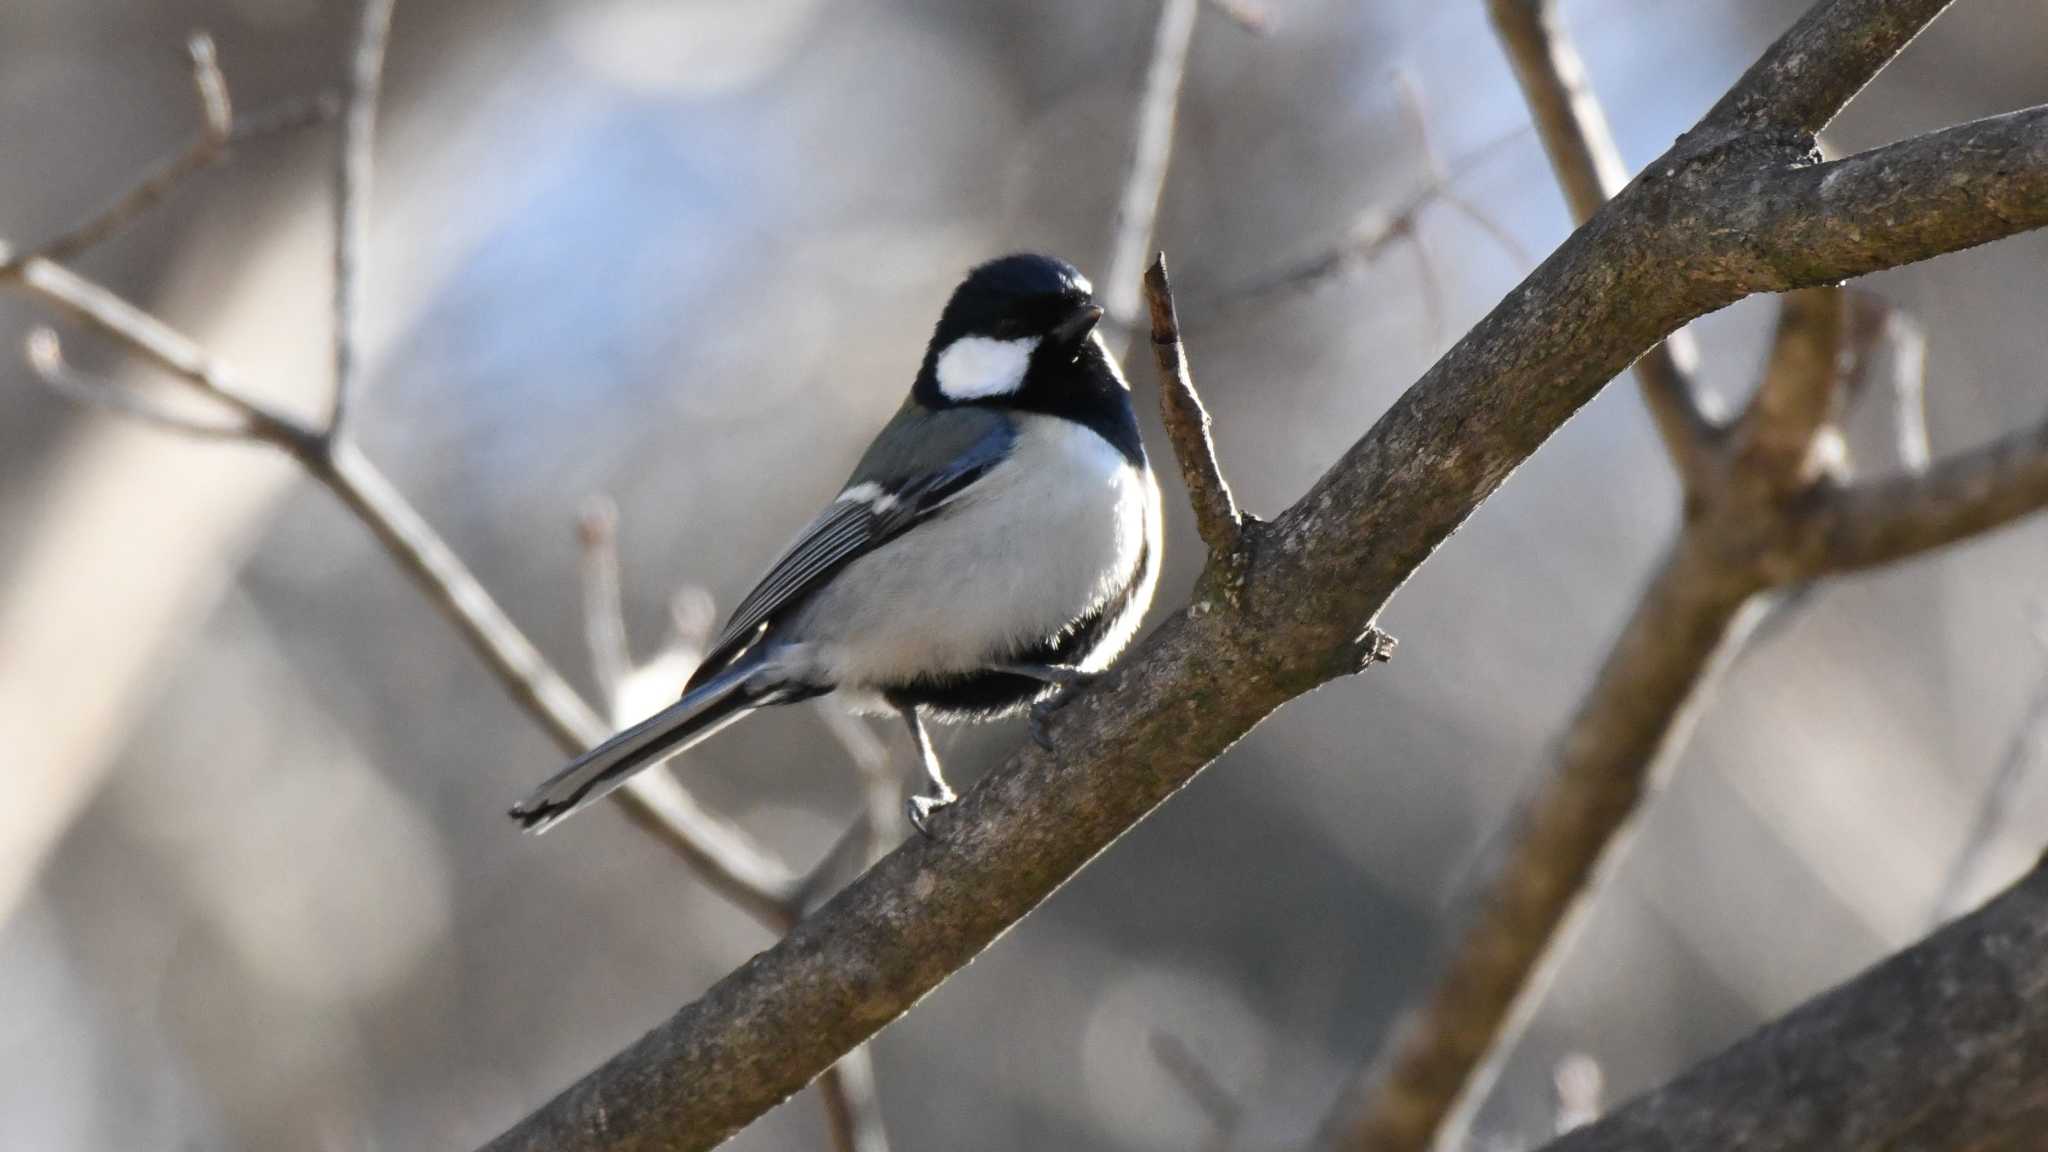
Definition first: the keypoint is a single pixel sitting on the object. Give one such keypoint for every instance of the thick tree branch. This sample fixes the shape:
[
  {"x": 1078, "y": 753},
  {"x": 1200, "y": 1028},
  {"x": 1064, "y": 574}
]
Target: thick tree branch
[
  {"x": 1944, "y": 1046},
  {"x": 1933, "y": 194},
  {"x": 1818, "y": 66},
  {"x": 1187, "y": 421},
  {"x": 1211, "y": 672},
  {"x": 1588, "y": 165},
  {"x": 352, "y": 170}
]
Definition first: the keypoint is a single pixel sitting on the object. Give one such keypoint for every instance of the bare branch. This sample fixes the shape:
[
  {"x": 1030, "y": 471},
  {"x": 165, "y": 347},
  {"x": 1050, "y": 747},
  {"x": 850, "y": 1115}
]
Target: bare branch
[
  {"x": 1589, "y": 168},
  {"x": 1939, "y": 1047},
  {"x": 1878, "y": 522},
  {"x": 45, "y": 354},
  {"x": 1247, "y": 17},
  {"x": 1800, "y": 392},
  {"x": 1818, "y": 66},
  {"x": 853, "y": 1110},
  {"x": 352, "y": 170},
  {"x": 1441, "y": 181},
  {"x": 1215, "y": 1101},
  {"x": 1319, "y": 575},
  {"x": 727, "y": 859},
  {"x": 604, "y": 612},
  {"x": 1608, "y": 759},
  {"x": 1942, "y": 192},
  {"x": 1375, "y": 230},
  {"x": 212, "y": 87},
  {"x": 1187, "y": 421},
  {"x": 156, "y": 341},
  {"x": 1138, "y": 211},
  {"x": 1909, "y": 390},
  {"x": 2025, "y": 754},
  {"x": 209, "y": 148}
]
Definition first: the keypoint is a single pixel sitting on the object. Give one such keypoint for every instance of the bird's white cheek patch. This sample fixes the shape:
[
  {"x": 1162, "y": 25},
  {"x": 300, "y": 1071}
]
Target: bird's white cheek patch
[{"x": 976, "y": 366}]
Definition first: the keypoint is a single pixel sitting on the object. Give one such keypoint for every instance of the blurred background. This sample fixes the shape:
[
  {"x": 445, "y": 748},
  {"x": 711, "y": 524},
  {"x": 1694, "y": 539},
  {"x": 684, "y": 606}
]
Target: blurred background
[{"x": 256, "y": 885}]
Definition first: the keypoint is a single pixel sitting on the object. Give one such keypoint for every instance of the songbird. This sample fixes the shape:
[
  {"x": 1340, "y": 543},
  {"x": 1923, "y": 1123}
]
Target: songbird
[{"x": 996, "y": 546}]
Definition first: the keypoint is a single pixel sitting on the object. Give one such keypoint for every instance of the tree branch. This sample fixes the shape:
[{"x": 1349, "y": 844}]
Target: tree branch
[
  {"x": 1800, "y": 392},
  {"x": 604, "y": 611},
  {"x": 1818, "y": 66},
  {"x": 729, "y": 861},
  {"x": 1609, "y": 758},
  {"x": 2025, "y": 752},
  {"x": 1187, "y": 421},
  {"x": 1320, "y": 573},
  {"x": 352, "y": 170},
  {"x": 1151, "y": 156},
  {"x": 1878, "y": 522},
  {"x": 1588, "y": 165},
  {"x": 1923, "y": 197},
  {"x": 45, "y": 355},
  {"x": 1944, "y": 1046},
  {"x": 220, "y": 134}
]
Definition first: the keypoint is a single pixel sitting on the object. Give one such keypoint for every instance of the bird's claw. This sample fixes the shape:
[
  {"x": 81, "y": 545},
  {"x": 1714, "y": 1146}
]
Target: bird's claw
[
  {"x": 1040, "y": 713},
  {"x": 921, "y": 809},
  {"x": 1042, "y": 710}
]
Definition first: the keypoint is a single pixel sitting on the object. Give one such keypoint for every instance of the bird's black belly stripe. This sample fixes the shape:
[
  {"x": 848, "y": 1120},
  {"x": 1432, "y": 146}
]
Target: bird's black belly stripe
[{"x": 990, "y": 695}]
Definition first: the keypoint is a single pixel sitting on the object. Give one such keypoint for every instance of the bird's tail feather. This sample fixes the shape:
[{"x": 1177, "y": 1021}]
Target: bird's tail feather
[{"x": 702, "y": 711}]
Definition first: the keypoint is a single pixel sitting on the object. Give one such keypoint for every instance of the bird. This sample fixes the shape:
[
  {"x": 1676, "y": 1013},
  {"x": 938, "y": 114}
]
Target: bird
[{"x": 994, "y": 549}]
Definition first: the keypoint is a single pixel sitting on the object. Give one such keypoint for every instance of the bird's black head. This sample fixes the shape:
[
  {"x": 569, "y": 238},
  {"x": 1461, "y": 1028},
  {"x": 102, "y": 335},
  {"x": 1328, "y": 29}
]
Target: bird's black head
[{"x": 1019, "y": 333}]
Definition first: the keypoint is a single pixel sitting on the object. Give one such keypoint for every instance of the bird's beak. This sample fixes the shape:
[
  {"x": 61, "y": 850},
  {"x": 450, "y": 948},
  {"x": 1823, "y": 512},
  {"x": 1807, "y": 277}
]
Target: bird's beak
[{"x": 1076, "y": 327}]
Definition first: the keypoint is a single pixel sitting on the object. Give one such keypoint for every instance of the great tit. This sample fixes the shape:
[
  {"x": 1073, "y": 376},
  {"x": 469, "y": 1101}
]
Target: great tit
[{"x": 997, "y": 544}]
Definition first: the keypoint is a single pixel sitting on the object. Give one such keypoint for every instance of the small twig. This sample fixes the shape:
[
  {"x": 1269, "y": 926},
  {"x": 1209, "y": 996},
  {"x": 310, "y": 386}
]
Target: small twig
[
  {"x": 2026, "y": 752},
  {"x": 1247, "y": 17},
  {"x": 853, "y": 1109},
  {"x": 155, "y": 341},
  {"x": 1409, "y": 92},
  {"x": 1199, "y": 1081},
  {"x": 45, "y": 354},
  {"x": 206, "y": 150},
  {"x": 604, "y": 623},
  {"x": 1374, "y": 230},
  {"x": 1434, "y": 301},
  {"x": 352, "y": 171},
  {"x": 1151, "y": 155},
  {"x": 1187, "y": 422},
  {"x": 1909, "y": 390}
]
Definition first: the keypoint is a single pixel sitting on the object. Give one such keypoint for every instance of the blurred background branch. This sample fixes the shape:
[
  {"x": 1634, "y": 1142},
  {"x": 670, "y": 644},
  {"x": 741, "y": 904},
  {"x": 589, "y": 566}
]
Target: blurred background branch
[
  {"x": 1754, "y": 495},
  {"x": 727, "y": 859}
]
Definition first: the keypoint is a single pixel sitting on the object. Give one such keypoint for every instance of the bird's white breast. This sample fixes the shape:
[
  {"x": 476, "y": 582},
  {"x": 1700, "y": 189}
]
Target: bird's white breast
[{"x": 1050, "y": 534}]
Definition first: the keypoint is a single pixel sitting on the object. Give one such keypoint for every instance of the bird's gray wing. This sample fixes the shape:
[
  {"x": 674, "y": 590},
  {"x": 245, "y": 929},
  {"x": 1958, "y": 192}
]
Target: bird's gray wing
[{"x": 894, "y": 486}]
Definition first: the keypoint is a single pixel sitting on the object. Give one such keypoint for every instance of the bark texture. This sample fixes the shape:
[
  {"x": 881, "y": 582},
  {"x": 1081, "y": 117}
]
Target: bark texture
[{"x": 1942, "y": 1047}]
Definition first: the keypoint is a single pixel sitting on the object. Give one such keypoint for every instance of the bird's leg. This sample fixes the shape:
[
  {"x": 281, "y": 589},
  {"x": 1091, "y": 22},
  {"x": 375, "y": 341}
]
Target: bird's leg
[
  {"x": 1064, "y": 676},
  {"x": 941, "y": 794}
]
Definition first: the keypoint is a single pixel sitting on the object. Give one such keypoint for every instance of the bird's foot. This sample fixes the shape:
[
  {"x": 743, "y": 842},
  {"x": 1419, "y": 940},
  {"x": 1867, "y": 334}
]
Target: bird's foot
[
  {"x": 1042, "y": 711},
  {"x": 921, "y": 808}
]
